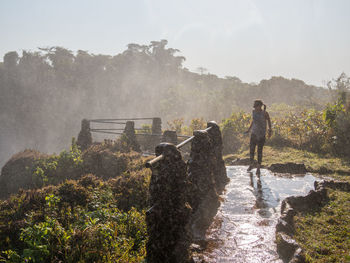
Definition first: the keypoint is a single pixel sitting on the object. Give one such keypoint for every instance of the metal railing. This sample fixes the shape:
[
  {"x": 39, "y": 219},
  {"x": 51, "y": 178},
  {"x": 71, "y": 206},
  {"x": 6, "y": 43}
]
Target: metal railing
[
  {"x": 121, "y": 130},
  {"x": 180, "y": 145},
  {"x": 120, "y": 121}
]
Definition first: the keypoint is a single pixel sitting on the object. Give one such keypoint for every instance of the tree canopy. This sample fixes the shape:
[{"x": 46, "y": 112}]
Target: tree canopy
[{"x": 45, "y": 93}]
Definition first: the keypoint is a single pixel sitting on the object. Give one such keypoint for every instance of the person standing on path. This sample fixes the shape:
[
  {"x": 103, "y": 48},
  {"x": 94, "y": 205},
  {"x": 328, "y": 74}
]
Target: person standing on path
[{"x": 258, "y": 128}]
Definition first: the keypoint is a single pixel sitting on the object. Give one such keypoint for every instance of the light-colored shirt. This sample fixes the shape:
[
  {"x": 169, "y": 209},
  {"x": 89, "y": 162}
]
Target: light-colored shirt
[{"x": 259, "y": 124}]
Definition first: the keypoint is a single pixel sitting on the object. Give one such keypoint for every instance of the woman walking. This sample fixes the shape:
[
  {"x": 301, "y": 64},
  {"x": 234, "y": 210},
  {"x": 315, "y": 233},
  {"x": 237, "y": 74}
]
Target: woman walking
[{"x": 258, "y": 128}]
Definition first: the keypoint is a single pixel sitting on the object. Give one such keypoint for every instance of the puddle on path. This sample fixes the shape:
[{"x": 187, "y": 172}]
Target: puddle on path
[{"x": 244, "y": 227}]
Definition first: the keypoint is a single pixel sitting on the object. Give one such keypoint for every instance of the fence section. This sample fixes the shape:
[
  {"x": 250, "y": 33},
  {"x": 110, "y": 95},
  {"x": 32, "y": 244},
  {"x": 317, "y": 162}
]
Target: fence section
[
  {"x": 184, "y": 197},
  {"x": 139, "y": 138}
]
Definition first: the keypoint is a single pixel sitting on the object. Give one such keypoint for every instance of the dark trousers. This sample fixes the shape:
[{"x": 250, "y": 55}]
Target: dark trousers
[{"x": 254, "y": 141}]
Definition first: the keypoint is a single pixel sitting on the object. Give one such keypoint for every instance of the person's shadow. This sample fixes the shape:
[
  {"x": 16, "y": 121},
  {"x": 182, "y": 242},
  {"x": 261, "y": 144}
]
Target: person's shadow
[{"x": 262, "y": 195}]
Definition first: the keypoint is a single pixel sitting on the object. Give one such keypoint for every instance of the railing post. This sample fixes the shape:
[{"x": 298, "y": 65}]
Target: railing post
[
  {"x": 203, "y": 195},
  {"x": 168, "y": 218},
  {"x": 220, "y": 174},
  {"x": 156, "y": 126},
  {"x": 84, "y": 138},
  {"x": 156, "y": 131},
  {"x": 129, "y": 131},
  {"x": 170, "y": 136}
]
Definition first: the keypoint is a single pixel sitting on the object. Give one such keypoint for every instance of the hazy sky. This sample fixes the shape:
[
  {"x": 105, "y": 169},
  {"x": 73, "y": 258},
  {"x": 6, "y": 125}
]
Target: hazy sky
[{"x": 252, "y": 40}]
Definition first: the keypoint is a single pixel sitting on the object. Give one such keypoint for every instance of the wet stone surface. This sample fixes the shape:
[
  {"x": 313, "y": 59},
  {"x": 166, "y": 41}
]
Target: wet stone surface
[{"x": 244, "y": 227}]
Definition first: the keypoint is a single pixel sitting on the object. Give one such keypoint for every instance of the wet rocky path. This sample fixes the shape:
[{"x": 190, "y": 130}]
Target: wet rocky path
[{"x": 244, "y": 227}]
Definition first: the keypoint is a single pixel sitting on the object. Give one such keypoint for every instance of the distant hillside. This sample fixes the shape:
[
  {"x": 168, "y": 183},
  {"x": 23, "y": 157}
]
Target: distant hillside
[{"x": 46, "y": 93}]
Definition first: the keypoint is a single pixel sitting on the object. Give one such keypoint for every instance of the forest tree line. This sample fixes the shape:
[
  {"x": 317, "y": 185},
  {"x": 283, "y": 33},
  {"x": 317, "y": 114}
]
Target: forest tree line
[{"x": 46, "y": 93}]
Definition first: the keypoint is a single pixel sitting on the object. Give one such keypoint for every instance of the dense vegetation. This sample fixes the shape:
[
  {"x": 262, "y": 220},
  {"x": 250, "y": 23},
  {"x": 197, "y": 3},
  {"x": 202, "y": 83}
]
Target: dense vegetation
[
  {"x": 322, "y": 131},
  {"x": 46, "y": 93},
  {"x": 82, "y": 220}
]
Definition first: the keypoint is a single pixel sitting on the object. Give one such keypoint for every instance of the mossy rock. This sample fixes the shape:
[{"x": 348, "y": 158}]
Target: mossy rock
[
  {"x": 17, "y": 172},
  {"x": 292, "y": 168}
]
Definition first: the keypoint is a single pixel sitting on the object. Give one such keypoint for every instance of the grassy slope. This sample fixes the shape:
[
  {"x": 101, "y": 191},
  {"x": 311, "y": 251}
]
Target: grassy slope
[
  {"x": 324, "y": 234},
  {"x": 311, "y": 160}
]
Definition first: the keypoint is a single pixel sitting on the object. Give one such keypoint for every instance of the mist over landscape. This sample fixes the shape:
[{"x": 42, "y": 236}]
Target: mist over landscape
[
  {"x": 159, "y": 59},
  {"x": 46, "y": 93},
  {"x": 174, "y": 131}
]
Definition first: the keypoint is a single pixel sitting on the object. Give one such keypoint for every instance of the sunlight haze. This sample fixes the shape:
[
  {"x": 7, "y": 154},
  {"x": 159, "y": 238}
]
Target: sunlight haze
[{"x": 252, "y": 40}]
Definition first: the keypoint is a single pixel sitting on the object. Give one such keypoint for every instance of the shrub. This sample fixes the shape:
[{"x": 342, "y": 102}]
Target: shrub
[
  {"x": 89, "y": 180},
  {"x": 232, "y": 131},
  {"x": 338, "y": 120},
  {"x": 57, "y": 168},
  {"x": 65, "y": 228},
  {"x": 73, "y": 194},
  {"x": 176, "y": 125},
  {"x": 131, "y": 189}
]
